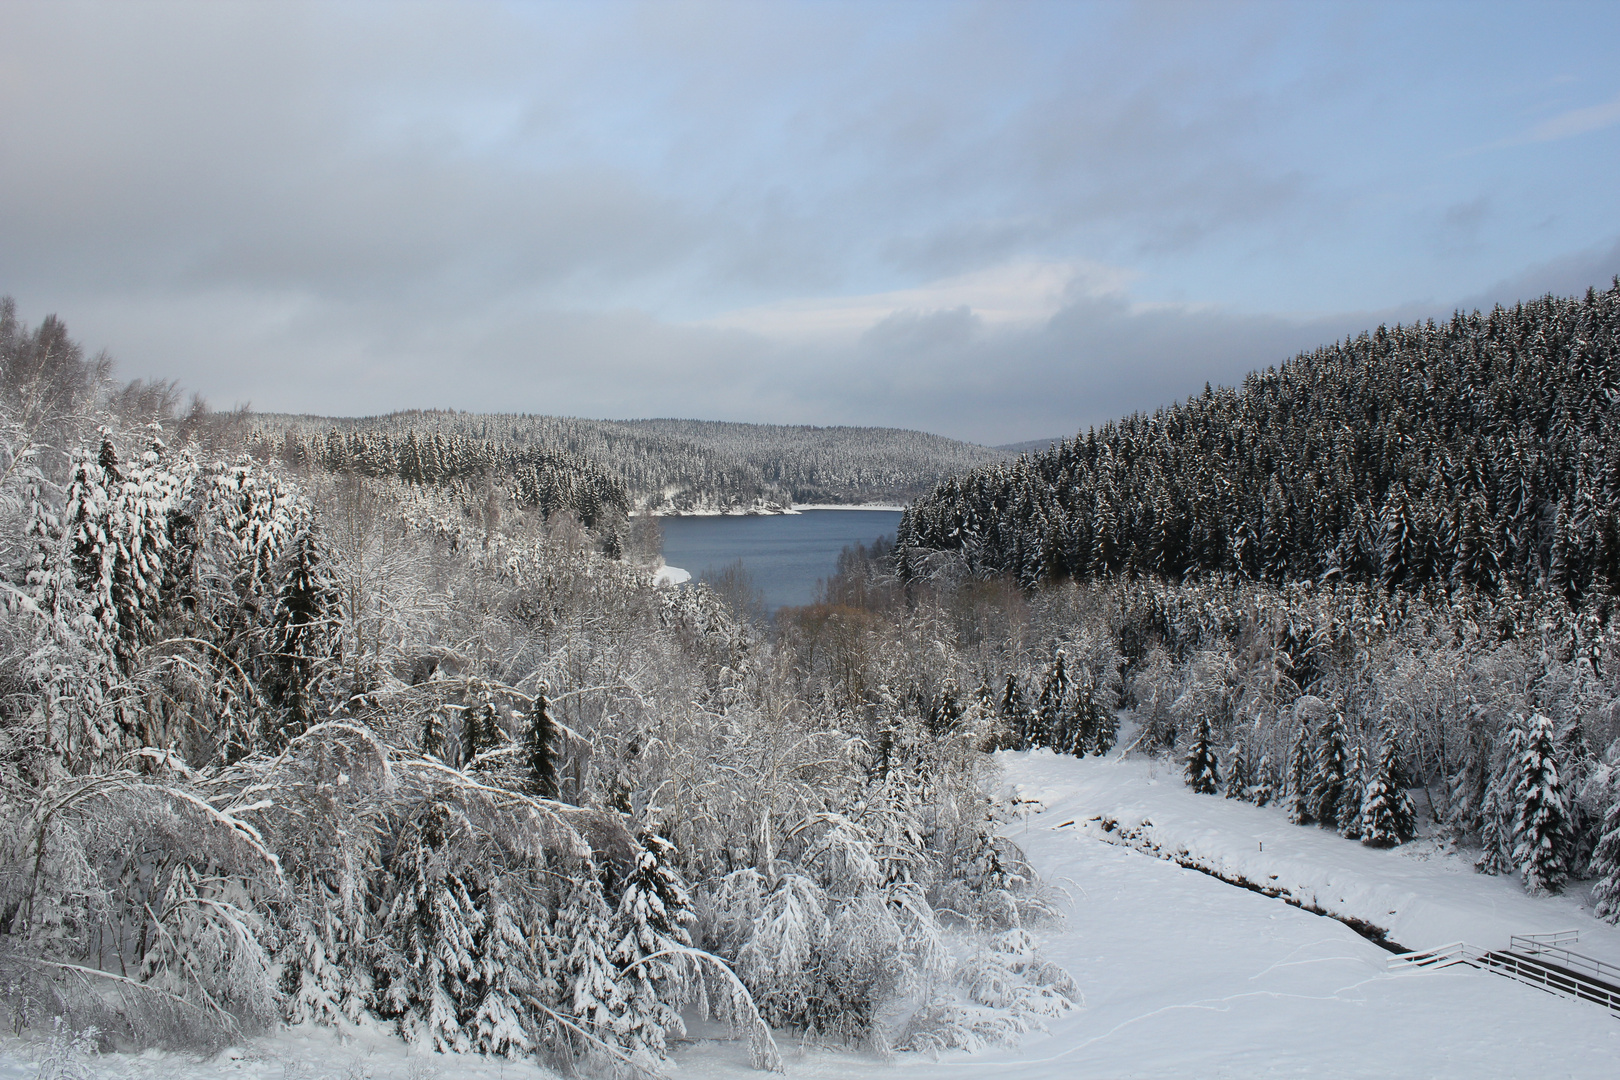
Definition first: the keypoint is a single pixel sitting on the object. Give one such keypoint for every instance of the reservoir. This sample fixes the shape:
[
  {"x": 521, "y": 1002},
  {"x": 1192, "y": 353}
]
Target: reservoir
[{"x": 787, "y": 555}]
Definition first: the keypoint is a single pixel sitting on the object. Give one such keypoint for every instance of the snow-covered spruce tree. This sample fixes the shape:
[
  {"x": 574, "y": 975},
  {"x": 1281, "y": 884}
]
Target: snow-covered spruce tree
[
  {"x": 1606, "y": 868},
  {"x": 1497, "y": 811},
  {"x": 540, "y": 747},
  {"x": 1355, "y": 787},
  {"x": 651, "y": 928},
  {"x": 1261, "y": 791},
  {"x": 1100, "y": 723},
  {"x": 436, "y": 921},
  {"x": 1015, "y": 714},
  {"x": 303, "y": 633},
  {"x": 1299, "y": 779},
  {"x": 333, "y": 785},
  {"x": 588, "y": 980},
  {"x": 1387, "y": 815},
  {"x": 1201, "y": 772},
  {"x": 1239, "y": 773},
  {"x": 1543, "y": 840},
  {"x": 1329, "y": 763},
  {"x": 480, "y": 725},
  {"x": 1084, "y": 715},
  {"x": 432, "y": 739},
  {"x": 1052, "y": 719}
]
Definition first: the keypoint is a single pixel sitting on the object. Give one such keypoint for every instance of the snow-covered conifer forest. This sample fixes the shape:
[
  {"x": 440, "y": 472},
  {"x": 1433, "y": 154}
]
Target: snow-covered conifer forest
[
  {"x": 659, "y": 466},
  {"x": 290, "y": 738}
]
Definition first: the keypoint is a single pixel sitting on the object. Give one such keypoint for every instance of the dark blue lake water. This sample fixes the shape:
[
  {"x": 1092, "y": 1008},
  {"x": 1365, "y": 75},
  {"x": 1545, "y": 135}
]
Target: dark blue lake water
[{"x": 787, "y": 555}]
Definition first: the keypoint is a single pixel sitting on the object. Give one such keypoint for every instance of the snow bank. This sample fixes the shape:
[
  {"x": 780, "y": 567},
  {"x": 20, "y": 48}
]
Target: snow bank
[
  {"x": 671, "y": 575},
  {"x": 896, "y": 507}
]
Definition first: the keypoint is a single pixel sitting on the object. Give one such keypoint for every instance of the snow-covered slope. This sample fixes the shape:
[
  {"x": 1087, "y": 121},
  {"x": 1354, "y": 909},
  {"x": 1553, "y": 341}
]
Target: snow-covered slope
[
  {"x": 1421, "y": 893},
  {"x": 1184, "y": 975}
]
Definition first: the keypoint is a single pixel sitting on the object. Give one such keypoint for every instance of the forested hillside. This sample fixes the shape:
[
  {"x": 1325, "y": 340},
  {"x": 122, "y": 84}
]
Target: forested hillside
[
  {"x": 1481, "y": 451},
  {"x": 668, "y": 466},
  {"x": 281, "y": 748},
  {"x": 1389, "y": 564}
]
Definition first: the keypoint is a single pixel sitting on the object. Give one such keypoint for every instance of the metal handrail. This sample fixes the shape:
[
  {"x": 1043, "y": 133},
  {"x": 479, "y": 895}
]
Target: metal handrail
[
  {"x": 1557, "y": 937},
  {"x": 1457, "y": 952},
  {"x": 1552, "y": 981},
  {"x": 1526, "y": 968},
  {"x": 1576, "y": 962}
]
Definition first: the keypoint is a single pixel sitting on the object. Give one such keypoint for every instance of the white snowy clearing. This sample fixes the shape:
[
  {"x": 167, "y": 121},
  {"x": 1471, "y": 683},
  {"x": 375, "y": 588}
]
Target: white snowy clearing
[{"x": 1184, "y": 975}]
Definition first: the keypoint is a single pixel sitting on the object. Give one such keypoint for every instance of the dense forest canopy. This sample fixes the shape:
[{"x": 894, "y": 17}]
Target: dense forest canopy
[
  {"x": 667, "y": 466},
  {"x": 1482, "y": 451}
]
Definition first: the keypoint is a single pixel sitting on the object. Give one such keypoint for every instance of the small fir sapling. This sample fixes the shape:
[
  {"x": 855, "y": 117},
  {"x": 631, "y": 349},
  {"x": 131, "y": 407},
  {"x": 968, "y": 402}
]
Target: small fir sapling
[{"x": 1202, "y": 773}]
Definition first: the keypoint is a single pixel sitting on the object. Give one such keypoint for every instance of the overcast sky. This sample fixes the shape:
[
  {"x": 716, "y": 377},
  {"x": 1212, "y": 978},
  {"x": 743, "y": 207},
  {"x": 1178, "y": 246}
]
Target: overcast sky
[{"x": 994, "y": 221}]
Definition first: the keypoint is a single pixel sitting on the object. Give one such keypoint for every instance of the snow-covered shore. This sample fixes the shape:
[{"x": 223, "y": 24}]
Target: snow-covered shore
[
  {"x": 671, "y": 575},
  {"x": 766, "y": 510}
]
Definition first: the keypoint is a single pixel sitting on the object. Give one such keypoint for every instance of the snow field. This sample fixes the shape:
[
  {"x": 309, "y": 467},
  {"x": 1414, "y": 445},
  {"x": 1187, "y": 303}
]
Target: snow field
[{"x": 1185, "y": 975}]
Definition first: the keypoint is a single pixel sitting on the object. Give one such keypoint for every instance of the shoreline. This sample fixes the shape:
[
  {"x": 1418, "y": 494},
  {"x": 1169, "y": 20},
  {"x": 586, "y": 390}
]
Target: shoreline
[{"x": 775, "y": 511}]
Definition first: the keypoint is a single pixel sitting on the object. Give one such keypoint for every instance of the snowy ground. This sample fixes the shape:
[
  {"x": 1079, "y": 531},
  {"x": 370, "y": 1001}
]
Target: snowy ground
[
  {"x": 1184, "y": 975},
  {"x": 671, "y": 575}
]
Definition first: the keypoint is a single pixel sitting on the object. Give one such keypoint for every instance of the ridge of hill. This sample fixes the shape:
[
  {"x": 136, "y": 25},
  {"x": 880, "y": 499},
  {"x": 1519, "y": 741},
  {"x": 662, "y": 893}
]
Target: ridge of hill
[{"x": 671, "y": 465}]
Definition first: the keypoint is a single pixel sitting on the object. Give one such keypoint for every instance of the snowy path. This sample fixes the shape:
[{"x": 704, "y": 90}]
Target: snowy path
[{"x": 1184, "y": 975}]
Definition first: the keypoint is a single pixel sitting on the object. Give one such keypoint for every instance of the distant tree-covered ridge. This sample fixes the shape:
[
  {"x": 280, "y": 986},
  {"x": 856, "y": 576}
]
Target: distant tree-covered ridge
[
  {"x": 535, "y": 476},
  {"x": 666, "y": 466},
  {"x": 1478, "y": 451}
]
